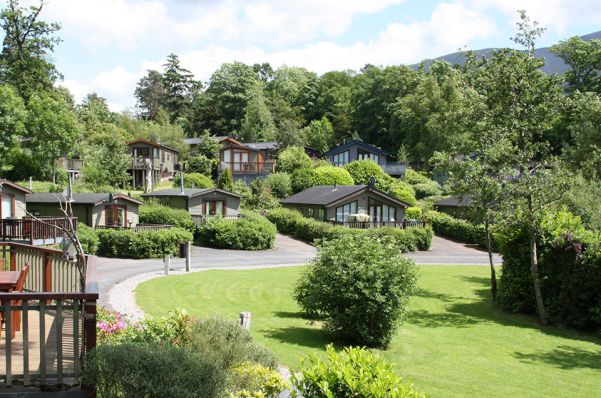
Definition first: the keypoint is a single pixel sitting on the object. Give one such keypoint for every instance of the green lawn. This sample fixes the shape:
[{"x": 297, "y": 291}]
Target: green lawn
[{"x": 454, "y": 343}]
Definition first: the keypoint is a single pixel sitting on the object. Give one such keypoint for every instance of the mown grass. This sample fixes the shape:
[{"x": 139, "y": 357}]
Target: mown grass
[{"x": 454, "y": 342}]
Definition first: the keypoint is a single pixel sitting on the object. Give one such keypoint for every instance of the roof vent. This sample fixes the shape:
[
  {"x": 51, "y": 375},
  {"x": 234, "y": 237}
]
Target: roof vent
[{"x": 372, "y": 182}]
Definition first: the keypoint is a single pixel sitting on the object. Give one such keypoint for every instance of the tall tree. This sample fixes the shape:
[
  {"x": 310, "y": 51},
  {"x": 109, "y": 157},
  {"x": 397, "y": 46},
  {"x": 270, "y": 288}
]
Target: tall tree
[
  {"x": 93, "y": 111},
  {"x": 28, "y": 42},
  {"x": 257, "y": 124},
  {"x": 12, "y": 119},
  {"x": 180, "y": 87},
  {"x": 106, "y": 157},
  {"x": 150, "y": 94},
  {"x": 584, "y": 59},
  {"x": 334, "y": 102},
  {"x": 319, "y": 134}
]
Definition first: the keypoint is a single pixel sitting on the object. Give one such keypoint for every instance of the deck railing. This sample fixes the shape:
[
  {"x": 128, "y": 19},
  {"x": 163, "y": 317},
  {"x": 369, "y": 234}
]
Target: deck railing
[
  {"x": 137, "y": 228},
  {"x": 57, "y": 320},
  {"x": 379, "y": 224},
  {"x": 265, "y": 167},
  {"x": 32, "y": 230}
]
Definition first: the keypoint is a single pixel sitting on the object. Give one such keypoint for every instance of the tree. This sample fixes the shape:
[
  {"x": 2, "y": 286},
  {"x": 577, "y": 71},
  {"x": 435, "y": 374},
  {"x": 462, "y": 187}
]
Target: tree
[
  {"x": 297, "y": 88},
  {"x": 334, "y": 102},
  {"x": 106, "y": 158},
  {"x": 179, "y": 86},
  {"x": 319, "y": 134},
  {"x": 292, "y": 158},
  {"x": 27, "y": 45},
  {"x": 584, "y": 59},
  {"x": 12, "y": 119},
  {"x": 226, "y": 181},
  {"x": 257, "y": 125},
  {"x": 330, "y": 175},
  {"x": 150, "y": 94},
  {"x": 94, "y": 111},
  {"x": 52, "y": 127}
]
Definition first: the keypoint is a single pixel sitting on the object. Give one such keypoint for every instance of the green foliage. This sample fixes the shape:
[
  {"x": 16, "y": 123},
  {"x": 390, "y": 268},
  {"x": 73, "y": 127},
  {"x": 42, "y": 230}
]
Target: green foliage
[
  {"x": 284, "y": 219},
  {"x": 403, "y": 194},
  {"x": 292, "y": 159},
  {"x": 88, "y": 238},
  {"x": 454, "y": 228},
  {"x": 201, "y": 164},
  {"x": 413, "y": 213},
  {"x": 412, "y": 177},
  {"x": 570, "y": 264},
  {"x": 12, "y": 119},
  {"x": 257, "y": 125},
  {"x": 301, "y": 179},
  {"x": 354, "y": 372},
  {"x": 424, "y": 190},
  {"x": 251, "y": 232},
  {"x": 319, "y": 134},
  {"x": 312, "y": 230},
  {"x": 362, "y": 171},
  {"x": 124, "y": 243},
  {"x": 155, "y": 213},
  {"x": 106, "y": 160},
  {"x": 280, "y": 184},
  {"x": 226, "y": 181},
  {"x": 330, "y": 175},
  {"x": 255, "y": 381},
  {"x": 359, "y": 287},
  {"x": 195, "y": 180},
  {"x": 584, "y": 60},
  {"x": 261, "y": 197},
  {"x": 582, "y": 199},
  {"x": 116, "y": 371}
]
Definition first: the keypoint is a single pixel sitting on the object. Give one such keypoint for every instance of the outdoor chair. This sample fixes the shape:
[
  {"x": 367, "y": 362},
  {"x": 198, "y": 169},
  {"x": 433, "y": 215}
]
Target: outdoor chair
[{"x": 18, "y": 288}]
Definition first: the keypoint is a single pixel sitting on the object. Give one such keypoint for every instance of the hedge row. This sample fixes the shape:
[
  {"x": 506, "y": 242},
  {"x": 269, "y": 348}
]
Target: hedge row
[
  {"x": 291, "y": 222},
  {"x": 124, "y": 243},
  {"x": 253, "y": 232},
  {"x": 455, "y": 228},
  {"x": 155, "y": 213}
]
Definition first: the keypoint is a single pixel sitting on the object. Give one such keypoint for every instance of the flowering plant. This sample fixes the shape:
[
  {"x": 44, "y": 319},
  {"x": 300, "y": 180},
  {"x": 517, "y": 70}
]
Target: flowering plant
[{"x": 110, "y": 325}]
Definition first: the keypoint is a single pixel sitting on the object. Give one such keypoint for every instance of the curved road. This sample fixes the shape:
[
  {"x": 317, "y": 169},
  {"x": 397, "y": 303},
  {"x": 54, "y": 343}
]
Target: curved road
[{"x": 287, "y": 251}]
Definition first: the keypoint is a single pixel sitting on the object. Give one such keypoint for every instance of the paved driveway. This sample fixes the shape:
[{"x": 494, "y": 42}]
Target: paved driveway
[
  {"x": 287, "y": 251},
  {"x": 446, "y": 251}
]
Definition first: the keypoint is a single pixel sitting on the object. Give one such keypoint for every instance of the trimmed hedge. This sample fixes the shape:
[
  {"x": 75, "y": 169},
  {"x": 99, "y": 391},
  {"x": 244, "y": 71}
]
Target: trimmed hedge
[
  {"x": 88, "y": 238},
  {"x": 156, "y": 213},
  {"x": 126, "y": 243},
  {"x": 454, "y": 228},
  {"x": 289, "y": 221},
  {"x": 252, "y": 232},
  {"x": 194, "y": 180}
]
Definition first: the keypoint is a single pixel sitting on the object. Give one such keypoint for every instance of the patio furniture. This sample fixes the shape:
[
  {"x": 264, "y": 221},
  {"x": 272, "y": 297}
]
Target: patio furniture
[{"x": 8, "y": 283}]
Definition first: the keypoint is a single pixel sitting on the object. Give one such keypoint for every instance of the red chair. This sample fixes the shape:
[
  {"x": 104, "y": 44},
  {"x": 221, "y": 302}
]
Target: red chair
[{"x": 18, "y": 288}]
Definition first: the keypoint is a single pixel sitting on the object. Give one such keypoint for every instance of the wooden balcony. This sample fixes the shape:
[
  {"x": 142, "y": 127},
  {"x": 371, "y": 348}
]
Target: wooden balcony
[
  {"x": 143, "y": 163},
  {"x": 40, "y": 231},
  {"x": 265, "y": 167},
  {"x": 379, "y": 224},
  {"x": 58, "y": 323}
]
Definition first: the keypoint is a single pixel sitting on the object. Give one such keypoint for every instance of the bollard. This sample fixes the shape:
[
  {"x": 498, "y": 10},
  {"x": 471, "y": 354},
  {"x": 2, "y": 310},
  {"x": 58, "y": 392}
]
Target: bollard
[
  {"x": 188, "y": 255},
  {"x": 245, "y": 320},
  {"x": 167, "y": 262}
]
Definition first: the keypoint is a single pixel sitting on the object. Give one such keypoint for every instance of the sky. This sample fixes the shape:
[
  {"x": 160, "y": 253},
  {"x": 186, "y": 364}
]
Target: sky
[{"x": 108, "y": 45}]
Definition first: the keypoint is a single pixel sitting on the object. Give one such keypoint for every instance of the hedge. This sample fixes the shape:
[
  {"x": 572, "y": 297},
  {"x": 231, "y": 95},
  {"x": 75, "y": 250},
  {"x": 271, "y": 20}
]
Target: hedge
[
  {"x": 126, "y": 243},
  {"x": 252, "y": 232},
  {"x": 155, "y": 213},
  {"x": 289, "y": 221},
  {"x": 88, "y": 238},
  {"x": 194, "y": 180},
  {"x": 454, "y": 228}
]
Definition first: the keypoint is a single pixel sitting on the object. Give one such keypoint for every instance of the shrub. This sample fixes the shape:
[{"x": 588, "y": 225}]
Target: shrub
[
  {"x": 330, "y": 175},
  {"x": 139, "y": 370},
  {"x": 359, "y": 287},
  {"x": 156, "y": 213},
  {"x": 201, "y": 164},
  {"x": 195, "y": 180},
  {"x": 280, "y": 184},
  {"x": 292, "y": 158},
  {"x": 261, "y": 197},
  {"x": 226, "y": 181},
  {"x": 251, "y": 232},
  {"x": 124, "y": 243},
  {"x": 311, "y": 230},
  {"x": 284, "y": 219},
  {"x": 412, "y": 177},
  {"x": 570, "y": 271},
  {"x": 454, "y": 228},
  {"x": 424, "y": 190},
  {"x": 406, "y": 240},
  {"x": 362, "y": 171},
  {"x": 88, "y": 238},
  {"x": 354, "y": 372},
  {"x": 413, "y": 213},
  {"x": 301, "y": 179},
  {"x": 255, "y": 381}
]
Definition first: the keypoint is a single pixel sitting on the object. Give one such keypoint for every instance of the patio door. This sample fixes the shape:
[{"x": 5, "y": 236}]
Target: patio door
[
  {"x": 374, "y": 210},
  {"x": 240, "y": 160},
  {"x": 214, "y": 207},
  {"x": 115, "y": 216}
]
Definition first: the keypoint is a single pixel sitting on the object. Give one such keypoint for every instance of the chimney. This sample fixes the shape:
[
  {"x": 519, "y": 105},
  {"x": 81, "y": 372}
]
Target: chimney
[{"x": 372, "y": 182}]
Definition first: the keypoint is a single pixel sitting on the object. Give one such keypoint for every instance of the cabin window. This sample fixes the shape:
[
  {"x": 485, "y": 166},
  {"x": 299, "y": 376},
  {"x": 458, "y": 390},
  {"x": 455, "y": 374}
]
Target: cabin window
[
  {"x": 381, "y": 212},
  {"x": 368, "y": 156},
  {"x": 7, "y": 209},
  {"x": 214, "y": 207},
  {"x": 115, "y": 215},
  {"x": 162, "y": 157},
  {"x": 321, "y": 214},
  {"x": 343, "y": 212},
  {"x": 340, "y": 159}
]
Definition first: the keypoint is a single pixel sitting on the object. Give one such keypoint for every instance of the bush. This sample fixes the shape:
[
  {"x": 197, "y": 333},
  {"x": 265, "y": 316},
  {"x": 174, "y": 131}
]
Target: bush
[
  {"x": 155, "y": 213},
  {"x": 252, "y": 232},
  {"x": 226, "y": 181},
  {"x": 201, "y": 164},
  {"x": 88, "y": 238},
  {"x": 454, "y": 228},
  {"x": 359, "y": 287},
  {"x": 406, "y": 240},
  {"x": 138, "y": 370},
  {"x": 354, "y": 372},
  {"x": 284, "y": 219},
  {"x": 125, "y": 243},
  {"x": 424, "y": 190},
  {"x": 362, "y": 171},
  {"x": 412, "y": 177},
  {"x": 255, "y": 381},
  {"x": 195, "y": 180},
  {"x": 311, "y": 230},
  {"x": 403, "y": 194},
  {"x": 260, "y": 197},
  {"x": 279, "y": 184},
  {"x": 413, "y": 213},
  {"x": 570, "y": 271},
  {"x": 330, "y": 175},
  {"x": 302, "y": 179},
  {"x": 292, "y": 158}
]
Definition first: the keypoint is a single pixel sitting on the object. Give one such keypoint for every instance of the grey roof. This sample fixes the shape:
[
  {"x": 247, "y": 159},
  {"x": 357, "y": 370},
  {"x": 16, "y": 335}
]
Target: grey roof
[
  {"x": 81, "y": 198},
  {"x": 261, "y": 145},
  {"x": 455, "y": 202},
  {"x": 359, "y": 143},
  {"x": 193, "y": 141},
  {"x": 14, "y": 186},
  {"x": 323, "y": 194},
  {"x": 188, "y": 192}
]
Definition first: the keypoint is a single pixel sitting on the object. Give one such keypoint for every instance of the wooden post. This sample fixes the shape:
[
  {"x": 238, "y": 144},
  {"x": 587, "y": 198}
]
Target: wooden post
[
  {"x": 47, "y": 273},
  {"x": 188, "y": 255},
  {"x": 245, "y": 320},
  {"x": 13, "y": 259},
  {"x": 89, "y": 337},
  {"x": 167, "y": 262}
]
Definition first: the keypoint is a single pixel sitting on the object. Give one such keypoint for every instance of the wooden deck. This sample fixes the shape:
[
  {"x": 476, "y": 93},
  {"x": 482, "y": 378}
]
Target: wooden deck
[{"x": 47, "y": 343}]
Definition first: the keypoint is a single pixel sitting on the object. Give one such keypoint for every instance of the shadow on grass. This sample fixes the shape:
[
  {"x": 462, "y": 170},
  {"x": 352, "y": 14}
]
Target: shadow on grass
[
  {"x": 289, "y": 314},
  {"x": 565, "y": 357},
  {"x": 425, "y": 293},
  {"x": 303, "y": 336},
  {"x": 438, "y": 319}
]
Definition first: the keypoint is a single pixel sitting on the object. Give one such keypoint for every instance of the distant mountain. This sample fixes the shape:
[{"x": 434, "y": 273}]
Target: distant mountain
[{"x": 553, "y": 64}]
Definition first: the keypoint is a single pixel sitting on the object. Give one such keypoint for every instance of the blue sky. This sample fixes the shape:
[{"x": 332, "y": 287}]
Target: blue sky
[{"x": 109, "y": 44}]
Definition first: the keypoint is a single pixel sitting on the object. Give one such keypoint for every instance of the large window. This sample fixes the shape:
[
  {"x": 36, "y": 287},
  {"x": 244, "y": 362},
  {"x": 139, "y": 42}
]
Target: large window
[
  {"x": 343, "y": 212},
  {"x": 214, "y": 207},
  {"x": 115, "y": 215},
  {"x": 7, "y": 209},
  {"x": 381, "y": 212},
  {"x": 340, "y": 159},
  {"x": 368, "y": 155}
]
